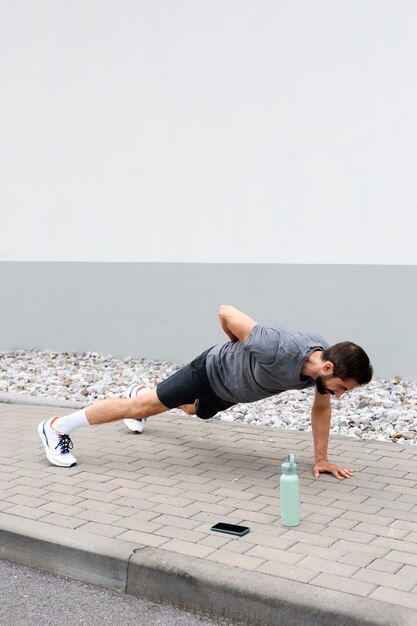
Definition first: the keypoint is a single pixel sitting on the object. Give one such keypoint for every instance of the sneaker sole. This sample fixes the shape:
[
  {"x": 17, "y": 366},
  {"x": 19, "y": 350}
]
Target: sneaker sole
[
  {"x": 47, "y": 451},
  {"x": 134, "y": 431},
  {"x": 127, "y": 395}
]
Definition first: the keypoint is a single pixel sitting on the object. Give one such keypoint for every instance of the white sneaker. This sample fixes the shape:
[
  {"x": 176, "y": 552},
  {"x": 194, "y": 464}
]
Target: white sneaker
[
  {"x": 135, "y": 389},
  {"x": 57, "y": 446}
]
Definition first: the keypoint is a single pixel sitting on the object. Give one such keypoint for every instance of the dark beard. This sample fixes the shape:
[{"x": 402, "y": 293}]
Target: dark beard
[{"x": 322, "y": 387}]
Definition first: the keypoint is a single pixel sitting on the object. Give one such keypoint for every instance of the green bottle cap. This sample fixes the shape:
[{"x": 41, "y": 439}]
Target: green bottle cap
[{"x": 289, "y": 465}]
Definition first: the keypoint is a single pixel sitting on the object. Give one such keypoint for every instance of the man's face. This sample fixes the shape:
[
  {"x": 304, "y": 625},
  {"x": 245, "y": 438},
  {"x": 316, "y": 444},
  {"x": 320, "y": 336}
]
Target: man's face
[{"x": 334, "y": 386}]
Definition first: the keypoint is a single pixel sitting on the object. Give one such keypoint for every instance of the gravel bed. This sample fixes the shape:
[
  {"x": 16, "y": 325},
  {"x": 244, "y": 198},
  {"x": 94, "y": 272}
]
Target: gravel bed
[{"x": 385, "y": 410}]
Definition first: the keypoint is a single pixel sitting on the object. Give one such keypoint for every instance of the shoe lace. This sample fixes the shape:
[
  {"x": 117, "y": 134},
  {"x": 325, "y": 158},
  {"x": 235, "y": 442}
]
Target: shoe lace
[{"x": 64, "y": 444}]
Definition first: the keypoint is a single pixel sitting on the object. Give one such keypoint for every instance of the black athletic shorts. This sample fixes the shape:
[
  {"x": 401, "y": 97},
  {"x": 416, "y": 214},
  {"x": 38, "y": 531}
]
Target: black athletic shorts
[{"x": 189, "y": 384}]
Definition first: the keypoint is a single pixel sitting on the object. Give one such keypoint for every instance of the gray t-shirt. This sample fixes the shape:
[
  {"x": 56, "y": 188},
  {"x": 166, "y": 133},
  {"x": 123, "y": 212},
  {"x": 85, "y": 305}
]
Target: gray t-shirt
[{"x": 268, "y": 363}]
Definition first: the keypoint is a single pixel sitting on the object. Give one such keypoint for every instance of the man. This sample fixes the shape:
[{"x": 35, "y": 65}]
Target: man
[{"x": 257, "y": 362}]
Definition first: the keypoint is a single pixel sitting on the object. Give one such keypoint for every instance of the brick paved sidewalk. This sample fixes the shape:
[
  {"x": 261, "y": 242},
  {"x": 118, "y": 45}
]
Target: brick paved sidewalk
[{"x": 165, "y": 488}]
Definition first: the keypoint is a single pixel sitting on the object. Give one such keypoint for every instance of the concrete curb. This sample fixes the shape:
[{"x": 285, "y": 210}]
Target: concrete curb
[
  {"x": 17, "y": 398},
  {"x": 76, "y": 554},
  {"x": 198, "y": 585}
]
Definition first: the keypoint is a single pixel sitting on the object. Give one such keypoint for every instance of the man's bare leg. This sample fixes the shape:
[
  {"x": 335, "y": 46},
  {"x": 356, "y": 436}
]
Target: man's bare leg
[
  {"x": 114, "y": 409},
  {"x": 190, "y": 409}
]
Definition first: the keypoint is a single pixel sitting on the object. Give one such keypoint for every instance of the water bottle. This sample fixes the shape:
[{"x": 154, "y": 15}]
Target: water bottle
[{"x": 290, "y": 493}]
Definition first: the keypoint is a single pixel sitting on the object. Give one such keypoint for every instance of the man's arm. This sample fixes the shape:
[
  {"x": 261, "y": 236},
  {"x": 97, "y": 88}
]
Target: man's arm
[
  {"x": 236, "y": 325},
  {"x": 320, "y": 424}
]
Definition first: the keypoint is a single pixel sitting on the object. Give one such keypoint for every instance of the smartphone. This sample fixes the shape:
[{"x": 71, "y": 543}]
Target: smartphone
[{"x": 230, "y": 529}]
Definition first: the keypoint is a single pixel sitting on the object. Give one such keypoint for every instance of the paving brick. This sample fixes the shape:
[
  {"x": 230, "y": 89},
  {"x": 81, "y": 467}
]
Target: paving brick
[
  {"x": 384, "y": 565},
  {"x": 406, "y": 497},
  {"x": 396, "y": 544},
  {"x": 290, "y": 572},
  {"x": 341, "y": 495},
  {"x": 394, "y": 581},
  {"x": 343, "y": 523},
  {"x": 361, "y": 507},
  {"x": 105, "y": 487},
  {"x": 382, "y": 531},
  {"x": 360, "y": 516},
  {"x": 350, "y": 535},
  {"x": 132, "y": 503},
  {"x": 263, "y": 530},
  {"x": 329, "y": 567},
  {"x": 260, "y": 491},
  {"x": 307, "y": 507},
  {"x": 311, "y": 527},
  {"x": 274, "y": 554},
  {"x": 307, "y": 549},
  {"x": 410, "y": 572},
  {"x": 325, "y": 520},
  {"x": 63, "y": 498},
  {"x": 105, "y": 507},
  {"x": 316, "y": 540},
  {"x": 339, "y": 583},
  {"x": 93, "y": 477},
  {"x": 269, "y": 541},
  {"x": 177, "y": 511},
  {"x": 64, "y": 521},
  {"x": 184, "y": 534},
  {"x": 228, "y": 557},
  {"x": 106, "y": 530},
  {"x": 360, "y": 560},
  {"x": 253, "y": 516},
  {"x": 317, "y": 501},
  {"x": 25, "y": 511},
  {"x": 8, "y": 470},
  {"x": 201, "y": 496},
  {"x": 162, "y": 478},
  {"x": 268, "y": 501},
  {"x": 395, "y": 596},
  {"x": 393, "y": 505},
  {"x": 69, "y": 490},
  {"x": 177, "y": 501},
  {"x": 98, "y": 516},
  {"x": 179, "y": 522},
  {"x": 399, "y": 514},
  {"x": 352, "y": 547},
  {"x": 240, "y": 504},
  {"x": 101, "y": 496},
  {"x": 62, "y": 509},
  {"x": 402, "y": 557},
  {"x": 192, "y": 478},
  {"x": 5, "y": 505},
  {"x": 238, "y": 545},
  {"x": 188, "y": 548},
  {"x": 143, "y": 539},
  {"x": 139, "y": 524},
  {"x": 34, "y": 492},
  {"x": 238, "y": 494},
  {"x": 215, "y": 540},
  {"x": 401, "y": 489},
  {"x": 168, "y": 490}
]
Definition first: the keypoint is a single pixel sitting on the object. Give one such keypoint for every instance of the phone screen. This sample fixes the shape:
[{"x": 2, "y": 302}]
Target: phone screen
[{"x": 232, "y": 529}]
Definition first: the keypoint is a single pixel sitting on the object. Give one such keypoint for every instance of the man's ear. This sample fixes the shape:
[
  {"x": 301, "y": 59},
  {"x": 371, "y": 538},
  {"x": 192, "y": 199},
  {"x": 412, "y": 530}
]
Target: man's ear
[{"x": 328, "y": 368}]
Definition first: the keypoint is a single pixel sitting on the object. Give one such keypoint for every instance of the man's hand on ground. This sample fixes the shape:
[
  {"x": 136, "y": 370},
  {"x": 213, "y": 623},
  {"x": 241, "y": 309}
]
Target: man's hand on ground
[{"x": 328, "y": 468}]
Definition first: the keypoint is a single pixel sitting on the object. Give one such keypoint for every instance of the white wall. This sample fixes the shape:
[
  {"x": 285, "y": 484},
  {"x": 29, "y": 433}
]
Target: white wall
[{"x": 258, "y": 131}]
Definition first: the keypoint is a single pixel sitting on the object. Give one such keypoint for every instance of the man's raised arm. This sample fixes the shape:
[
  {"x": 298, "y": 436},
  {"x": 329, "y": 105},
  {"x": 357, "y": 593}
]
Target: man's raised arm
[
  {"x": 320, "y": 424},
  {"x": 236, "y": 325}
]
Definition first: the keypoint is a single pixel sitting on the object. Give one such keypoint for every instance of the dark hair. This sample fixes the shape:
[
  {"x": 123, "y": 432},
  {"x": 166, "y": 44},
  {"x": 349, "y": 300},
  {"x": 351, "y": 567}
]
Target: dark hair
[{"x": 349, "y": 361}]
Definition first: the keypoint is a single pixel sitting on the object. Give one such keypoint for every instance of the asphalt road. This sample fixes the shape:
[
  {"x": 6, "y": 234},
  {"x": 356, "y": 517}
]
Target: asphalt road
[{"x": 29, "y": 596}]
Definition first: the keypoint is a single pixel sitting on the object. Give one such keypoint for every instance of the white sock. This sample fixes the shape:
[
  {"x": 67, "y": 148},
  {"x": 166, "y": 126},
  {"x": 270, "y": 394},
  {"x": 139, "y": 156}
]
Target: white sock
[{"x": 67, "y": 423}]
